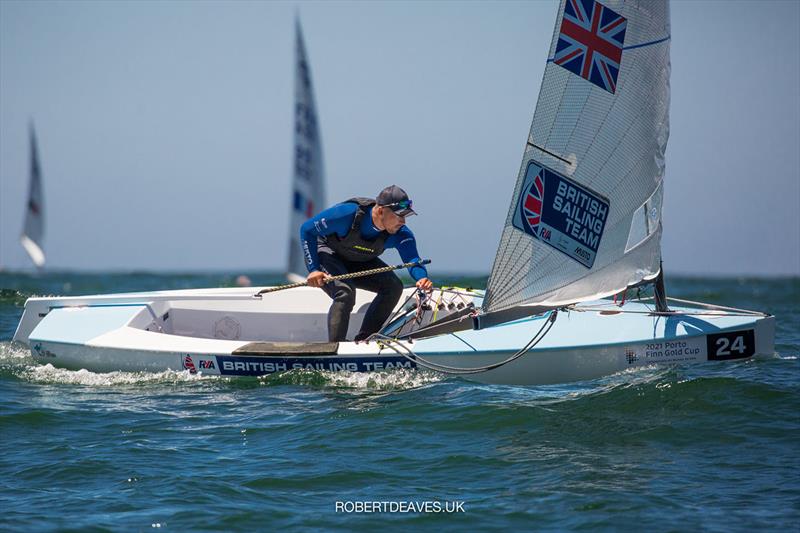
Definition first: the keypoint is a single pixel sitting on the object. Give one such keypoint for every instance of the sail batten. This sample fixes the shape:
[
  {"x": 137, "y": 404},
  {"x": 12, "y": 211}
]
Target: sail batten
[{"x": 585, "y": 217}]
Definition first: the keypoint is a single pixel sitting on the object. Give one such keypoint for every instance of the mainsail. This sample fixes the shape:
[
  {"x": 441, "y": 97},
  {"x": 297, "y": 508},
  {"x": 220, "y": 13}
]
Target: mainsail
[
  {"x": 33, "y": 230},
  {"x": 585, "y": 217},
  {"x": 308, "y": 183}
]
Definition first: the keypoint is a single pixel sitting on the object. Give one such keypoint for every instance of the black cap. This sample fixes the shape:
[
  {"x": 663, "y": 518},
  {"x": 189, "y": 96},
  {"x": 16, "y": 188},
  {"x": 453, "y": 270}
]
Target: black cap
[{"x": 396, "y": 199}]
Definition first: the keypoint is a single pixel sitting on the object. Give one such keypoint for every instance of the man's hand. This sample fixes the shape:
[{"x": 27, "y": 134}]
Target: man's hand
[
  {"x": 317, "y": 278},
  {"x": 425, "y": 284}
]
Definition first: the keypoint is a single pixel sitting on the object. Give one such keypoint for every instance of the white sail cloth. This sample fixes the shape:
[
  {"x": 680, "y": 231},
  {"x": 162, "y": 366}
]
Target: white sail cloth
[
  {"x": 308, "y": 181},
  {"x": 585, "y": 217}
]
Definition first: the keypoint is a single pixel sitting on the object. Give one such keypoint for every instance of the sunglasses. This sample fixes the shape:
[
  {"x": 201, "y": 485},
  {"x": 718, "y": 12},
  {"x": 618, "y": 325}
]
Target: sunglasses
[{"x": 401, "y": 205}]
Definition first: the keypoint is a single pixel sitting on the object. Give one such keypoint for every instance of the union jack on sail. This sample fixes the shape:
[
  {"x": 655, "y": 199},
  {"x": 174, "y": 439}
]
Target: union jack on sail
[
  {"x": 590, "y": 42},
  {"x": 532, "y": 203}
]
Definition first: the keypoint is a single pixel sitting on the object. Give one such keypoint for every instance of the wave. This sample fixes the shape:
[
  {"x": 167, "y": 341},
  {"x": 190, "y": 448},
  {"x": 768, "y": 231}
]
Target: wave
[
  {"x": 397, "y": 379},
  {"x": 14, "y": 297},
  {"x": 632, "y": 391}
]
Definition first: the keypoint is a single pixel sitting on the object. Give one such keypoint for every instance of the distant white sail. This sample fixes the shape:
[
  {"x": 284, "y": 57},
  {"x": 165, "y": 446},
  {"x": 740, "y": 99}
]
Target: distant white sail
[
  {"x": 308, "y": 183},
  {"x": 33, "y": 231},
  {"x": 585, "y": 217}
]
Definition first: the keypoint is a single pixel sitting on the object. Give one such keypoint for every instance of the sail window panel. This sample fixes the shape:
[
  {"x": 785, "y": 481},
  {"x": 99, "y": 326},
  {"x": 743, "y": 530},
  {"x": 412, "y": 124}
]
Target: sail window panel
[
  {"x": 645, "y": 220},
  {"x": 639, "y": 228}
]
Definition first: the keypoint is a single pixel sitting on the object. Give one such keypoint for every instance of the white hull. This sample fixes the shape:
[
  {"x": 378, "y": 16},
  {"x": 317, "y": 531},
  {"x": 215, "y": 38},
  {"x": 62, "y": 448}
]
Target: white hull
[{"x": 211, "y": 331}]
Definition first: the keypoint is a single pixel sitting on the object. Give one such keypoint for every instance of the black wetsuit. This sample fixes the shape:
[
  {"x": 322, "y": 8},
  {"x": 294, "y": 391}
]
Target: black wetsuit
[{"x": 342, "y": 239}]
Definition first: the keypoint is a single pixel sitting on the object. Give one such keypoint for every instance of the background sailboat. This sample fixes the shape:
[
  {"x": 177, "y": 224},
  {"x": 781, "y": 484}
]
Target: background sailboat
[
  {"x": 32, "y": 237},
  {"x": 308, "y": 180}
]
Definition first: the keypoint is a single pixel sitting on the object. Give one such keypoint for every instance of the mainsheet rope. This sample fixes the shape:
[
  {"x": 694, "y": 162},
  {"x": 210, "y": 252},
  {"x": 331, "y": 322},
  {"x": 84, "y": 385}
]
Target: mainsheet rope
[{"x": 394, "y": 345}]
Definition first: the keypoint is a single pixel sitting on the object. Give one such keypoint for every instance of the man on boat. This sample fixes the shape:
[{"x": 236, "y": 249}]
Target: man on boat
[{"x": 349, "y": 237}]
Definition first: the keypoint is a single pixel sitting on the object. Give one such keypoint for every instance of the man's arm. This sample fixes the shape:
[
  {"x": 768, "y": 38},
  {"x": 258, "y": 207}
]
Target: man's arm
[
  {"x": 336, "y": 219},
  {"x": 406, "y": 246}
]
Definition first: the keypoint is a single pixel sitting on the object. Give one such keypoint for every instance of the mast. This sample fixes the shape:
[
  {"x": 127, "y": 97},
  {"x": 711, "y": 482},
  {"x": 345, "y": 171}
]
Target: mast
[{"x": 659, "y": 292}]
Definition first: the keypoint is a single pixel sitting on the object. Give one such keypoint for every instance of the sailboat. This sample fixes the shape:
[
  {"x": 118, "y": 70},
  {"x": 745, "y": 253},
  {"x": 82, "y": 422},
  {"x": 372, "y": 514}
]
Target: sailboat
[
  {"x": 583, "y": 224},
  {"x": 308, "y": 179},
  {"x": 32, "y": 237}
]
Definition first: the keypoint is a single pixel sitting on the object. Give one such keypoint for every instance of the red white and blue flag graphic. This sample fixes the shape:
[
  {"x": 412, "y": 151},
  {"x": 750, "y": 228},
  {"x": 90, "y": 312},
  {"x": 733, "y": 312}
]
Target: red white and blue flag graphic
[
  {"x": 532, "y": 203},
  {"x": 188, "y": 364},
  {"x": 590, "y": 42}
]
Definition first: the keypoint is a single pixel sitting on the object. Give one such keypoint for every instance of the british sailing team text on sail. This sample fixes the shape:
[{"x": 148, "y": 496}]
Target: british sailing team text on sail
[{"x": 585, "y": 215}]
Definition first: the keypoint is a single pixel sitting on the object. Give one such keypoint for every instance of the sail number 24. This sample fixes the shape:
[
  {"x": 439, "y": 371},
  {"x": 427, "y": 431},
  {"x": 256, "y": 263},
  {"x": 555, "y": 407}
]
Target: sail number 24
[{"x": 731, "y": 345}]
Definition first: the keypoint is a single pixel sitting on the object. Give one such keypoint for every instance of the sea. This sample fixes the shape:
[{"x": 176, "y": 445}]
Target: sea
[{"x": 714, "y": 447}]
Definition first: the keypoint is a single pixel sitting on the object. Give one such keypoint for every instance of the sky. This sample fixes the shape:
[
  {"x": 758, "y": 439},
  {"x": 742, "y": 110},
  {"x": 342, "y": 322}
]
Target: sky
[{"x": 165, "y": 128}]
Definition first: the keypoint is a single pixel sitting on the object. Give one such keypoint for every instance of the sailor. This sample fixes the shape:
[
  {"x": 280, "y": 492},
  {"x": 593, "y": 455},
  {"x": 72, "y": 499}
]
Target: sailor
[{"x": 349, "y": 237}]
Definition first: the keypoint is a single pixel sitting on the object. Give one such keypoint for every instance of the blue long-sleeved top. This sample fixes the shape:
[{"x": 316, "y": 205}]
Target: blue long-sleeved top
[{"x": 339, "y": 219}]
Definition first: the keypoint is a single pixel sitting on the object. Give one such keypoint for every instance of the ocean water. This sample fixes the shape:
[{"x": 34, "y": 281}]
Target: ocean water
[{"x": 714, "y": 447}]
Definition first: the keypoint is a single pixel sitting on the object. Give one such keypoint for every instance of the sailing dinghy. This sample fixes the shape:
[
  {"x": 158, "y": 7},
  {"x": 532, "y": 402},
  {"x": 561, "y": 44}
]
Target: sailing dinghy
[{"x": 584, "y": 223}]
